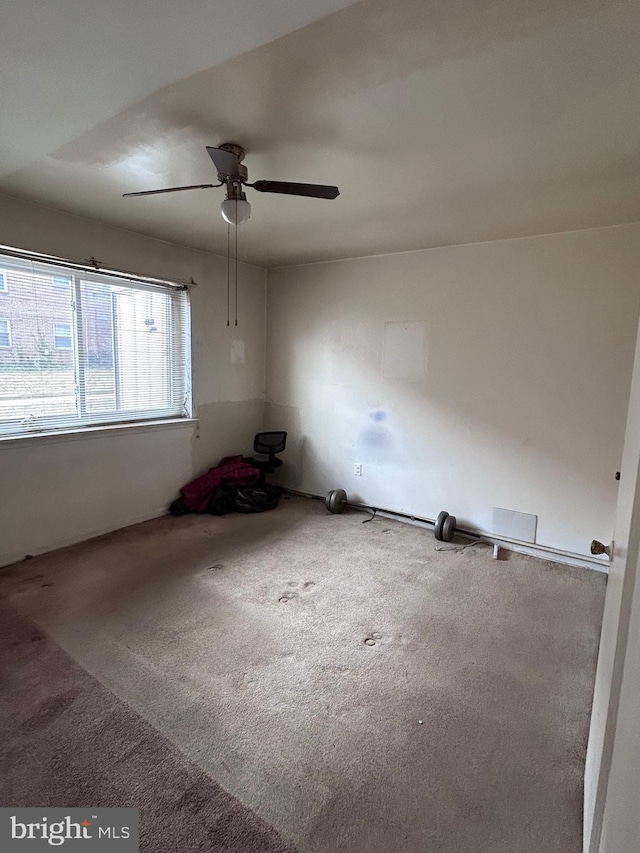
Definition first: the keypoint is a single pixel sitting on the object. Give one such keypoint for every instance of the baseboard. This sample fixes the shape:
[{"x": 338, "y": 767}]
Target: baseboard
[
  {"x": 7, "y": 559},
  {"x": 543, "y": 552}
]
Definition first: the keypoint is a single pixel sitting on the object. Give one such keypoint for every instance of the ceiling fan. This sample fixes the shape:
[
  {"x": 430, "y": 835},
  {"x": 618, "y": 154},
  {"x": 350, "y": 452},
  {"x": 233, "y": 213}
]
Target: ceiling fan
[{"x": 227, "y": 158}]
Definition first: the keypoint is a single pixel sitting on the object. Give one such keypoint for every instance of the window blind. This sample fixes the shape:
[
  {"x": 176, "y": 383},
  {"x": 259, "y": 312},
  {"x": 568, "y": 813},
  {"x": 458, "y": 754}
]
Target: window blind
[{"x": 79, "y": 348}]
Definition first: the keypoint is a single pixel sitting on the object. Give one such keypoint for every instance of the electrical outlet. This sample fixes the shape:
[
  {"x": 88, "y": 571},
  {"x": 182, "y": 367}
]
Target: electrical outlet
[{"x": 357, "y": 469}]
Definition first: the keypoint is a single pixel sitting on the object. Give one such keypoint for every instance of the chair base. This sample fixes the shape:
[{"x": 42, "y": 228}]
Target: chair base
[{"x": 264, "y": 466}]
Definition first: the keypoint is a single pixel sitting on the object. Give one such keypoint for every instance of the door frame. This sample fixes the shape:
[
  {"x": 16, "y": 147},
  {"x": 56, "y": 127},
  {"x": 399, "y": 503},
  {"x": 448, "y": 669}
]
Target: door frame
[{"x": 617, "y": 616}]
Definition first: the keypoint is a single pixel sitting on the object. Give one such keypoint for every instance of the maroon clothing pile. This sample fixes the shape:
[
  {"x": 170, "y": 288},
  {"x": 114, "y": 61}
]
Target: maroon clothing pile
[{"x": 231, "y": 472}]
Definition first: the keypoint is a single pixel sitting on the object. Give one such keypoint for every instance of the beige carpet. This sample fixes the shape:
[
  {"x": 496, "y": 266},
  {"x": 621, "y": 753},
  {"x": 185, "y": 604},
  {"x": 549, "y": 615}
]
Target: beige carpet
[
  {"x": 68, "y": 742},
  {"x": 462, "y": 728}
]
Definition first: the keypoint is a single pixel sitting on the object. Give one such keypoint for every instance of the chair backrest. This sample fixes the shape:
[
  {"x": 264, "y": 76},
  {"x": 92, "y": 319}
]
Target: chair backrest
[{"x": 269, "y": 442}]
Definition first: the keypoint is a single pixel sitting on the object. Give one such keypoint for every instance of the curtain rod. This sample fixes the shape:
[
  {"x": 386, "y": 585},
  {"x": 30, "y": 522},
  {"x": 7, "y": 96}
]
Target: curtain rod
[{"x": 92, "y": 265}]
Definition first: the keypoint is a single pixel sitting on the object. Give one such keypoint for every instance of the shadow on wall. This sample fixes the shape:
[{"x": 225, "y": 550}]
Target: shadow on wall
[
  {"x": 522, "y": 352},
  {"x": 293, "y": 458},
  {"x": 523, "y": 395},
  {"x": 224, "y": 429}
]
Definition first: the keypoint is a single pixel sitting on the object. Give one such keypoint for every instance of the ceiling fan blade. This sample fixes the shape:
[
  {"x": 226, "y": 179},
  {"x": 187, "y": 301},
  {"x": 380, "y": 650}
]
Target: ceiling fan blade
[
  {"x": 226, "y": 162},
  {"x": 173, "y": 190},
  {"x": 288, "y": 188}
]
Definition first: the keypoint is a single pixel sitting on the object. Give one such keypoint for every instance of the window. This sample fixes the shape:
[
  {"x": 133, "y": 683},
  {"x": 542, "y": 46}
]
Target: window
[
  {"x": 100, "y": 349},
  {"x": 5, "y": 333},
  {"x": 3, "y": 281},
  {"x": 62, "y": 336}
]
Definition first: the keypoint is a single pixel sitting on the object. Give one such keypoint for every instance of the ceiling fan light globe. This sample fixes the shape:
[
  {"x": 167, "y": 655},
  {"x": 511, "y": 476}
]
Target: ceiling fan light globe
[{"x": 235, "y": 211}]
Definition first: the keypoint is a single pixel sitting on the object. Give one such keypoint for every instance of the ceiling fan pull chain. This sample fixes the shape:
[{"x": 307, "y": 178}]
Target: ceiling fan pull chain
[
  {"x": 228, "y": 274},
  {"x": 236, "y": 272}
]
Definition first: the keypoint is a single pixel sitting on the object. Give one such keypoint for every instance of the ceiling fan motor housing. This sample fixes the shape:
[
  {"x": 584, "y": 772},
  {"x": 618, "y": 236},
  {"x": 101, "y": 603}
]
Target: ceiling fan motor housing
[
  {"x": 240, "y": 173},
  {"x": 234, "y": 148},
  {"x": 240, "y": 178}
]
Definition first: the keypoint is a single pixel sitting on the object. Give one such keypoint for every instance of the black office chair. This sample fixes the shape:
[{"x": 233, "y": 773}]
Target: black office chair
[{"x": 266, "y": 445}]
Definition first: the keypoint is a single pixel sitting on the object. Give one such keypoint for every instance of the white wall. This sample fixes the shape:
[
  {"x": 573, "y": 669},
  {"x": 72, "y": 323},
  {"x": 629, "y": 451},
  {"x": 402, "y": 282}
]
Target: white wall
[
  {"x": 518, "y": 399},
  {"x": 60, "y": 490}
]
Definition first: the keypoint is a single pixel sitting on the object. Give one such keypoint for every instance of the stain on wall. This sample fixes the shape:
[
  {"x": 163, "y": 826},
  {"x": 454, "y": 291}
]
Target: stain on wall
[
  {"x": 237, "y": 351},
  {"x": 378, "y": 442}
]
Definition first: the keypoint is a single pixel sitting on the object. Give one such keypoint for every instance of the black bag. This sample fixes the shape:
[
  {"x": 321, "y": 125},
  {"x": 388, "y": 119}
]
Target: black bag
[
  {"x": 178, "y": 507},
  {"x": 221, "y": 501},
  {"x": 257, "y": 498}
]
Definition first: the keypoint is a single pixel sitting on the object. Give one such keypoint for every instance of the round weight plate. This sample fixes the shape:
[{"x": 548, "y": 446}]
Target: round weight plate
[
  {"x": 440, "y": 520},
  {"x": 336, "y": 501},
  {"x": 449, "y": 528}
]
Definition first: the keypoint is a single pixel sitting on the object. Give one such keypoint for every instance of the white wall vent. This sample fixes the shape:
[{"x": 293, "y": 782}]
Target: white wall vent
[{"x": 514, "y": 525}]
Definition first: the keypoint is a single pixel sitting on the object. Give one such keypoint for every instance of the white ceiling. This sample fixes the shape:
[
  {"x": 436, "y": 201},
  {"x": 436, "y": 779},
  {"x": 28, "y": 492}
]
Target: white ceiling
[
  {"x": 67, "y": 65},
  {"x": 442, "y": 122}
]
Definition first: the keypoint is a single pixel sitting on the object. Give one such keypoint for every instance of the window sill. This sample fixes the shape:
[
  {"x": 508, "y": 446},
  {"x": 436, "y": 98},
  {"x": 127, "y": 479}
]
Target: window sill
[{"x": 54, "y": 437}]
